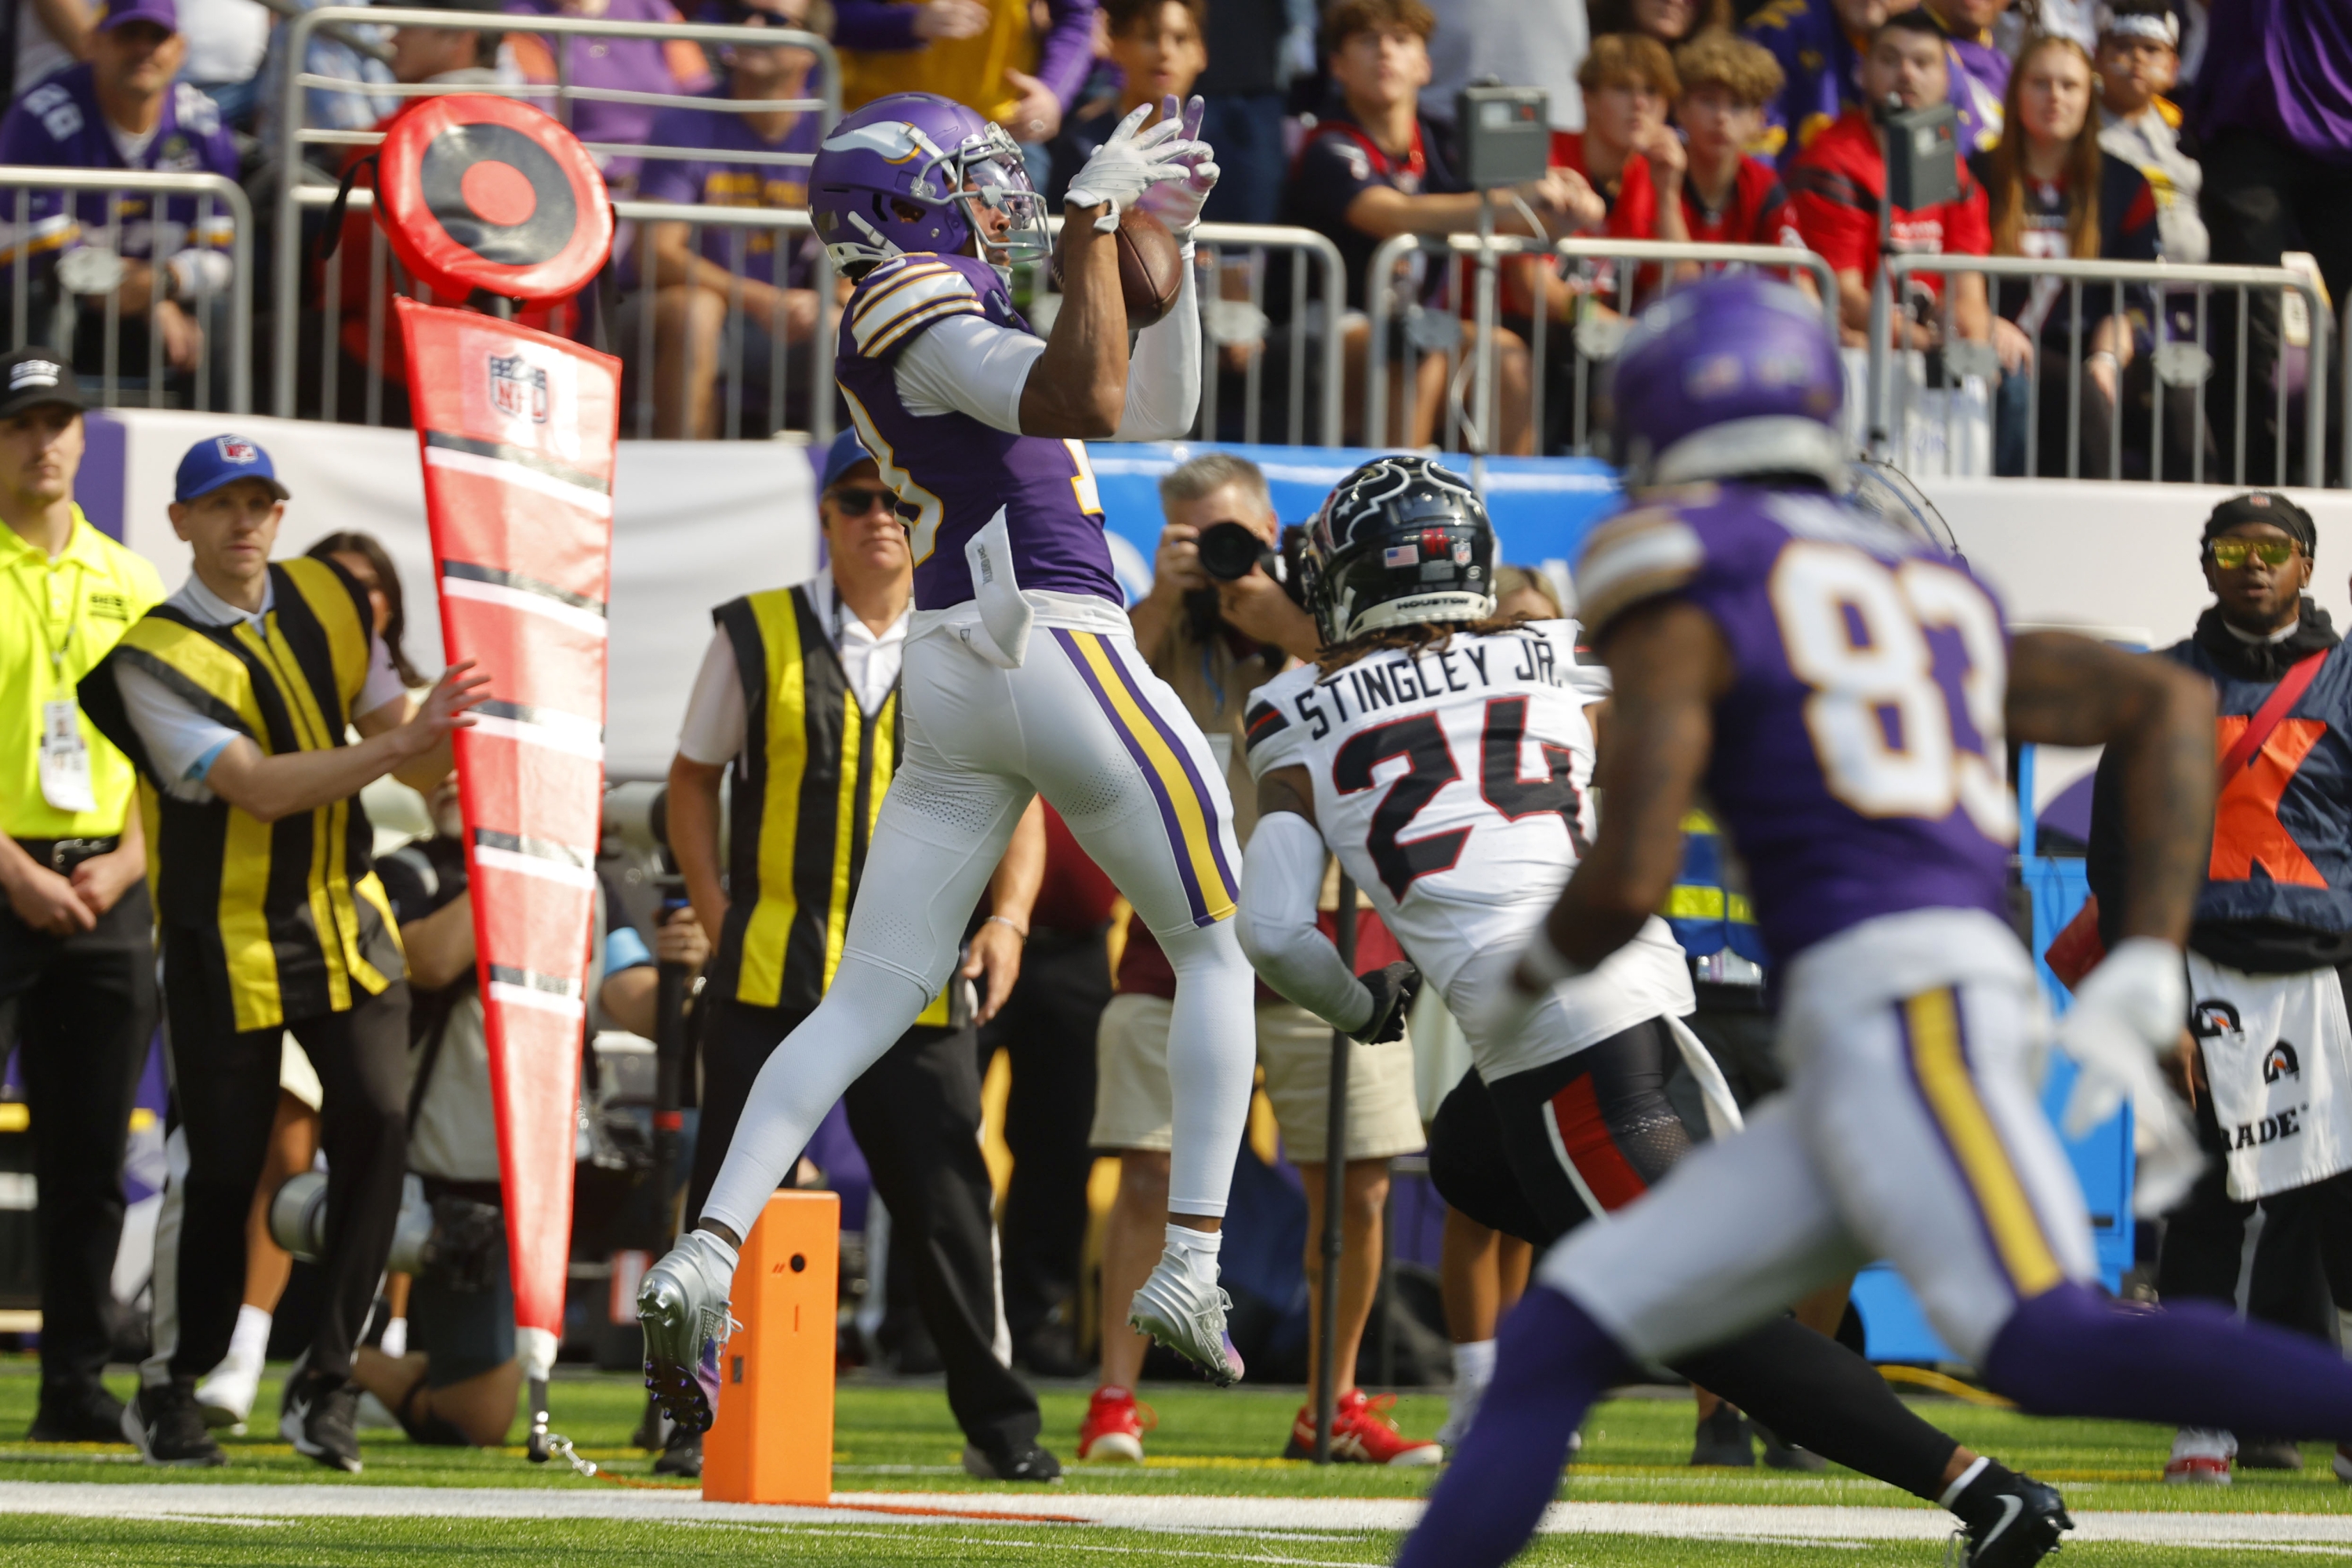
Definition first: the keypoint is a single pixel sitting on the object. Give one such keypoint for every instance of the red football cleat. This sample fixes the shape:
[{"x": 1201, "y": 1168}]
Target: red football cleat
[
  {"x": 1362, "y": 1434},
  {"x": 1114, "y": 1426}
]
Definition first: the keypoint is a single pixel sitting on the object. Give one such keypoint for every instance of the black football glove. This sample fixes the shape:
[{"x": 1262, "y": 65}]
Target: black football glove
[{"x": 1393, "y": 987}]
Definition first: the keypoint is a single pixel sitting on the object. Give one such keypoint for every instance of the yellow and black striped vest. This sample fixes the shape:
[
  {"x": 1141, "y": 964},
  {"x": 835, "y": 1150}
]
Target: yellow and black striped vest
[
  {"x": 807, "y": 786},
  {"x": 290, "y": 914}
]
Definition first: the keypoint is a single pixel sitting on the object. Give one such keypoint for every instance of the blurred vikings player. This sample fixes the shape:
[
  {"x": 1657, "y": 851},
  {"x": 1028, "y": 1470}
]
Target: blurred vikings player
[
  {"x": 1844, "y": 691},
  {"x": 1447, "y": 760},
  {"x": 1021, "y": 674}
]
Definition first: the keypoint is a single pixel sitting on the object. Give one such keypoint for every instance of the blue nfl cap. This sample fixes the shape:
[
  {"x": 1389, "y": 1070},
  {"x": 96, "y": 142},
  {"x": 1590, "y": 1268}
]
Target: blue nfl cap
[
  {"x": 221, "y": 460},
  {"x": 845, "y": 453}
]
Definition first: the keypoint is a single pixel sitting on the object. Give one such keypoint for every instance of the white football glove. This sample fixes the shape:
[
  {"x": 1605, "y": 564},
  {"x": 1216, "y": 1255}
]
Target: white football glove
[
  {"x": 1178, "y": 203},
  {"x": 1128, "y": 165},
  {"x": 2127, "y": 1012}
]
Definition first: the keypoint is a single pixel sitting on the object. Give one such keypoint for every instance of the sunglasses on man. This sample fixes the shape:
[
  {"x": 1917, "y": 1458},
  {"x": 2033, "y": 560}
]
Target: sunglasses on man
[
  {"x": 856, "y": 500},
  {"x": 2230, "y": 553}
]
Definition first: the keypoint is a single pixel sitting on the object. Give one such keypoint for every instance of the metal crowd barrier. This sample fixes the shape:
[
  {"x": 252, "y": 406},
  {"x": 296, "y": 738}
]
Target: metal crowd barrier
[
  {"x": 221, "y": 212},
  {"x": 302, "y": 188},
  {"x": 1606, "y": 276},
  {"x": 1234, "y": 273},
  {"x": 2148, "y": 287}
]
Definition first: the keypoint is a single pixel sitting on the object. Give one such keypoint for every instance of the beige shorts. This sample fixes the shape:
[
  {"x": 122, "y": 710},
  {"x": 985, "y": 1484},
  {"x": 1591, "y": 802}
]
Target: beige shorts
[{"x": 1132, "y": 1102}]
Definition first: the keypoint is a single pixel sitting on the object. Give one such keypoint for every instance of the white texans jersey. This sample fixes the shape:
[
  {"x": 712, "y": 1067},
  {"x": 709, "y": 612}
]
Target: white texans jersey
[{"x": 1456, "y": 785}]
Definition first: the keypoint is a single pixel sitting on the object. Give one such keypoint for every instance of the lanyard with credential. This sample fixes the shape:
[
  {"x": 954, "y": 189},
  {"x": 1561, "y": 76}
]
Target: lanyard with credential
[{"x": 65, "y": 752}]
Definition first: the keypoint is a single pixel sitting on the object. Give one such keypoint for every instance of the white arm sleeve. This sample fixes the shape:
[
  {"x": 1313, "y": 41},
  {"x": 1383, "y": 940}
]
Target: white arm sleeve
[
  {"x": 715, "y": 720},
  {"x": 963, "y": 364},
  {"x": 1163, "y": 374},
  {"x": 1282, "y": 873}
]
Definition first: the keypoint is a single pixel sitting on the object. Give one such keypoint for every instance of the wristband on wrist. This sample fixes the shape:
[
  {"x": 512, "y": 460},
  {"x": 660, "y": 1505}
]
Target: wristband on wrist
[{"x": 1017, "y": 928}]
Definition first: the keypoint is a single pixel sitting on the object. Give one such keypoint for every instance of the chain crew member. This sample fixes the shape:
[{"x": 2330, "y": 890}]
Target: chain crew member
[{"x": 232, "y": 698}]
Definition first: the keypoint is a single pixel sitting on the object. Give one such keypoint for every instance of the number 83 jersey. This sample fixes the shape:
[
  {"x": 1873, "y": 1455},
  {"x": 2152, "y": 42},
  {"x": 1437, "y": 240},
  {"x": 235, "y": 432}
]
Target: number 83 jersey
[
  {"x": 1858, "y": 761},
  {"x": 1455, "y": 784}
]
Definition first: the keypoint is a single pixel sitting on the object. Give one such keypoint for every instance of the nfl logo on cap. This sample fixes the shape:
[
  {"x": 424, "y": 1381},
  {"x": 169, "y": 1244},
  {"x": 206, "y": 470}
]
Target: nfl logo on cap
[{"x": 238, "y": 450}]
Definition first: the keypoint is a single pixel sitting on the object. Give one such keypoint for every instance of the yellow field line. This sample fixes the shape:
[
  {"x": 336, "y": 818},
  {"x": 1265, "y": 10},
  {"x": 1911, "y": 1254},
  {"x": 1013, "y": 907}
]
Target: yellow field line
[{"x": 1922, "y": 1377}]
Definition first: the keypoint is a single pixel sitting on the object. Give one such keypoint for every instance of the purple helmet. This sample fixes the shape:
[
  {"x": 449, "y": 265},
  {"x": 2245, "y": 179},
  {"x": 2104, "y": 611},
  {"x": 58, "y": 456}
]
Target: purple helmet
[
  {"x": 910, "y": 173},
  {"x": 1733, "y": 376}
]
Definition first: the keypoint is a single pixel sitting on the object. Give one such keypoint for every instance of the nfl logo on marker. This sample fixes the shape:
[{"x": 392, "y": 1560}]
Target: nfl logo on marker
[{"x": 518, "y": 388}]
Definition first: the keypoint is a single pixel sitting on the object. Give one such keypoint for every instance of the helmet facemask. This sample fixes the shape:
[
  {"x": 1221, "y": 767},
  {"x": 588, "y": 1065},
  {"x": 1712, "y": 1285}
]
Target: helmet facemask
[{"x": 992, "y": 178}]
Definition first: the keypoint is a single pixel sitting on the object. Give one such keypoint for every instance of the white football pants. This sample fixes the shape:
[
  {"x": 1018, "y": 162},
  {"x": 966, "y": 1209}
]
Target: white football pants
[
  {"x": 1083, "y": 722},
  {"x": 1911, "y": 1131}
]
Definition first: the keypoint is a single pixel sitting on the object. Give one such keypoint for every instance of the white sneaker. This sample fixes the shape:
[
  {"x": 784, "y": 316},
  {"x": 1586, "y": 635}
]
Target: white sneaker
[
  {"x": 225, "y": 1397},
  {"x": 1188, "y": 1318},
  {"x": 2200, "y": 1457},
  {"x": 682, "y": 1307}
]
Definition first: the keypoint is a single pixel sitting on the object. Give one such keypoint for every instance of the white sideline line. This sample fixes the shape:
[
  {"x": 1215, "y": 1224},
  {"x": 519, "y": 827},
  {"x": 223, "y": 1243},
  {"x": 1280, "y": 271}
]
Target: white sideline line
[{"x": 2318, "y": 1534}]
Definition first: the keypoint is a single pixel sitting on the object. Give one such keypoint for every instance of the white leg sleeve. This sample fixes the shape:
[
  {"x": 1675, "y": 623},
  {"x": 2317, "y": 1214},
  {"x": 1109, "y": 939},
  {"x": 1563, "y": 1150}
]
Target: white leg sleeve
[
  {"x": 936, "y": 842},
  {"x": 1164, "y": 380},
  {"x": 1212, "y": 1058}
]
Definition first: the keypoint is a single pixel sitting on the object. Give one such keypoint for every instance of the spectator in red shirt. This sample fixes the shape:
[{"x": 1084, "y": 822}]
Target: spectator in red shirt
[
  {"x": 1625, "y": 151},
  {"x": 2052, "y": 191},
  {"x": 1836, "y": 183}
]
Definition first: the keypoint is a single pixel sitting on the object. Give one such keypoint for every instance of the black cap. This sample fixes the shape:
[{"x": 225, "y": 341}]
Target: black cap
[
  {"x": 32, "y": 376},
  {"x": 2265, "y": 506}
]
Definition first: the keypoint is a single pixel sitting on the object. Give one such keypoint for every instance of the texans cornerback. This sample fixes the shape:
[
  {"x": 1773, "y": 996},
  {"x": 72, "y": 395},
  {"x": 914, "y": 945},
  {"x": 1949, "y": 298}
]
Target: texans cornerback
[
  {"x": 1844, "y": 691},
  {"x": 1448, "y": 759},
  {"x": 1021, "y": 674}
]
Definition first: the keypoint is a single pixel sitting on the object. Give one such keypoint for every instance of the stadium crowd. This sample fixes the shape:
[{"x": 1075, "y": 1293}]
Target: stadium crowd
[
  {"x": 2088, "y": 132},
  {"x": 1671, "y": 120}
]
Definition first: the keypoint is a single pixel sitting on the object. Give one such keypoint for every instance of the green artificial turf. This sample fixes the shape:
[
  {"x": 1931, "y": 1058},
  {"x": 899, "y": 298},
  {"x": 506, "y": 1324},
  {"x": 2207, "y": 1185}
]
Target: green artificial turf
[{"x": 897, "y": 1437}]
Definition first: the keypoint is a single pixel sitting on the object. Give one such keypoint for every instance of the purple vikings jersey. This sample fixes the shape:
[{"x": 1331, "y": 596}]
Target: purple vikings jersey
[
  {"x": 1858, "y": 758},
  {"x": 951, "y": 472}
]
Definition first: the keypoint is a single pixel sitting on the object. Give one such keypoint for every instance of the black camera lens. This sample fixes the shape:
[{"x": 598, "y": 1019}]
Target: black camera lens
[{"x": 1230, "y": 552}]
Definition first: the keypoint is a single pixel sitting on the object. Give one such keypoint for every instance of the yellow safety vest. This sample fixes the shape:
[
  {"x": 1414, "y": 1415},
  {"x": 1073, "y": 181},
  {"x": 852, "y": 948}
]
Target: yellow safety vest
[
  {"x": 808, "y": 785},
  {"x": 289, "y": 915}
]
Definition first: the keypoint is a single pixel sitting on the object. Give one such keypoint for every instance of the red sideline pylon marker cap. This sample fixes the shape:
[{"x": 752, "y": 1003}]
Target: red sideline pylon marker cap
[{"x": 485, "y": 192}]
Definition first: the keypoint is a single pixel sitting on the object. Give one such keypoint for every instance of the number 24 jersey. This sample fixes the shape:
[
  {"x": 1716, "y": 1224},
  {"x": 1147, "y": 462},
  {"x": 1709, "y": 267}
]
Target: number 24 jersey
[
  {"x": 1858, "y": 761},
  {"x": 1456, "y": 783}
]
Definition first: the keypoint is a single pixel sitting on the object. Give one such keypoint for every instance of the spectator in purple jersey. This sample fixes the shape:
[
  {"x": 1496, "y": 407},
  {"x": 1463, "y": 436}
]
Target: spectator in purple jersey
[
  {"x": 1979, "y": 70},
  {"x": 630, "y": 65},
  {"x": 2272, "y": 104},
  {"x": 121, "y": 109},
  {"x": 695, "y": 282}
]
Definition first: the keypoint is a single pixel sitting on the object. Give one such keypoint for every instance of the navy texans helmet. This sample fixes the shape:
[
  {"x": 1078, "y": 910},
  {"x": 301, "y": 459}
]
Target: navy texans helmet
[
  {"x": 1733, "y": 377},
  {"x": 1400, "y": 539}
]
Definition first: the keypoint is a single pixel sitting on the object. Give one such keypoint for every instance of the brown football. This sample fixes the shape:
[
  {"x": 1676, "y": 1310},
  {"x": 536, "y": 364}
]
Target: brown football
[{"x": 1149, "y": 269}]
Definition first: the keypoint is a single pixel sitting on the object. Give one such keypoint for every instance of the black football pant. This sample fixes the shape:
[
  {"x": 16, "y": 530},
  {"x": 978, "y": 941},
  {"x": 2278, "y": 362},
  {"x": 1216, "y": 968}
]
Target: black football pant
[
  {"x": 1492, "y": 1155},
  {"x": 225, "y": 1082},
  {"x": 915, "y": 1114},
  {"x": 80, "y": 1011},
  {"x": 1047, "y": 1028},
  {"x": 2279, "y": 1260}
]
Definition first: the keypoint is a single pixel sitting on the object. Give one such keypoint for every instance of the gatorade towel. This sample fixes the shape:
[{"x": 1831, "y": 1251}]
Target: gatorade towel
[{"x": 516, "y": 431}]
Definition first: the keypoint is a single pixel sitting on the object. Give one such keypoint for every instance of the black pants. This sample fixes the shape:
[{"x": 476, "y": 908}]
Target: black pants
[
  {"x": 2261, "y": 199},
  {"x": 2286, "y": 1260},
  {"x": 1047, "y": 1027},
  {"x": 915, "y": 1114},
  {"x": 1492, "y": 1157},
  {"x": 81, "y": 1010},
  {"x": 225, "y": 1084}
]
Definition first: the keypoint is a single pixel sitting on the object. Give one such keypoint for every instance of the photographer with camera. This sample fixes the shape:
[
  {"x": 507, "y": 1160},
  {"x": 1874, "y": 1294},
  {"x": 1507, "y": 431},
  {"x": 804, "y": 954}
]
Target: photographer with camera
[
  {"x": 1217, "y": 625},
  {"x": 456, "y": 1383}
]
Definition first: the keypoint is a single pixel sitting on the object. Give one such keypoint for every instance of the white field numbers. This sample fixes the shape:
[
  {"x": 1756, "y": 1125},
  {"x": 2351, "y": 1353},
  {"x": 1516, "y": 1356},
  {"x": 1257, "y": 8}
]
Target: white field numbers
[{"x": 1855, "y": 632}]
